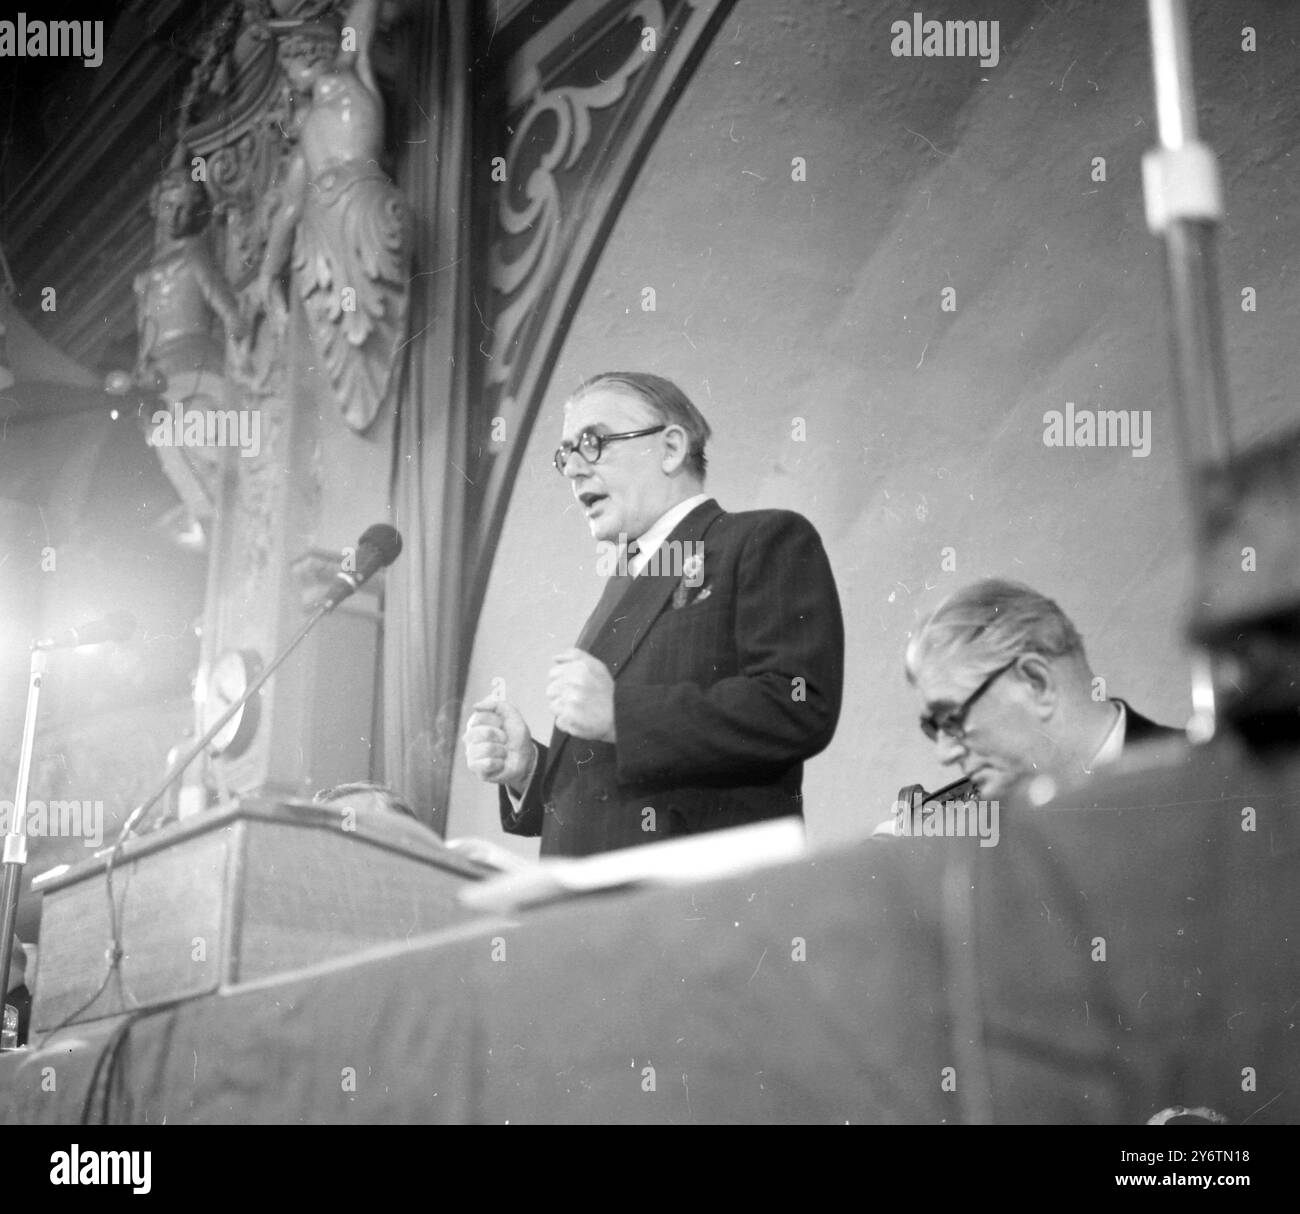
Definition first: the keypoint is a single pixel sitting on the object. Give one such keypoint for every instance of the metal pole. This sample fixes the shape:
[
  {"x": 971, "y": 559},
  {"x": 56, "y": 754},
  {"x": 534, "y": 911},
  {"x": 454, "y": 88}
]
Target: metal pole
[
  {"x": 1184, "y": 205},
  {"x": 15, "y": 844},
  {"x": 1172, "y": 70}
]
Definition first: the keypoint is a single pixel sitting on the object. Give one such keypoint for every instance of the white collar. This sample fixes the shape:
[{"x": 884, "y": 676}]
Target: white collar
[
  {"x": 1112, "y": 745},
  {"x": 654, "y": 536}
]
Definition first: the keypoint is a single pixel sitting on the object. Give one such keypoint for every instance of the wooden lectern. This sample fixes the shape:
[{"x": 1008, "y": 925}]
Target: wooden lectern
[{"x": 236, "y": 895}]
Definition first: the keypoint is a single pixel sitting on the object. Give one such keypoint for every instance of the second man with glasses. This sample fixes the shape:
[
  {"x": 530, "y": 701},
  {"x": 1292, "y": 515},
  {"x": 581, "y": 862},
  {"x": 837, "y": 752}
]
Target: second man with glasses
[{"x": 1008, "y": 695}]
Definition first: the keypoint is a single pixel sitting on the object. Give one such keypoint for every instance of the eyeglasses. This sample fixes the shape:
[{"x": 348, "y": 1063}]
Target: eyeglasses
[
  {"x": 952, "y": 721},
  {"x": 591, "y": 443}
]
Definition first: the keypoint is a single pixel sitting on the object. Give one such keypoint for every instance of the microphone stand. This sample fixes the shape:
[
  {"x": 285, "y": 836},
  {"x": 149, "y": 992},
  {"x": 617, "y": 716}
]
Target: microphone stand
[
  {"x": 137, "y": 815},
  {"x": 381, "y": 545},
  {"x": 15, "y": 844},
  {"x": 178, "y": 768}
]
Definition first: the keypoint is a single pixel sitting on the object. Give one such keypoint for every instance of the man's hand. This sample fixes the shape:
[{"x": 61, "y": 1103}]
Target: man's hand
[
  {"x": 498, "y": 746},
  {"x": 581, "y": 695}
]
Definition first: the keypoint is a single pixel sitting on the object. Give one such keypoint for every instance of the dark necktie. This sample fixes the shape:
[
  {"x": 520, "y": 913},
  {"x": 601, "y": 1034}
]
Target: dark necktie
[{"x": 615, "y": 588}]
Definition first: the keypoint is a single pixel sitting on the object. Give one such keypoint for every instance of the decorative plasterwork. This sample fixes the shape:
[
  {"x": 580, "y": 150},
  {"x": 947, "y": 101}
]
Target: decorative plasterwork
[
  {"x": 518, "y": 276},
  {"x": 577, "y": 115}
]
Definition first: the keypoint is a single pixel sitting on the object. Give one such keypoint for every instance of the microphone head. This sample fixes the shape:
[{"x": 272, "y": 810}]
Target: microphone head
[
  {"x": 383, "y": 541},
  {"x": 377, "y": 548}
]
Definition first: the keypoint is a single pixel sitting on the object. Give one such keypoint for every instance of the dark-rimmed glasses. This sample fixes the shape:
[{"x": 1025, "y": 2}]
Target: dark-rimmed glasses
[
  {"x": 591, "y": 443},
  {"x": 952, "y": 721}
]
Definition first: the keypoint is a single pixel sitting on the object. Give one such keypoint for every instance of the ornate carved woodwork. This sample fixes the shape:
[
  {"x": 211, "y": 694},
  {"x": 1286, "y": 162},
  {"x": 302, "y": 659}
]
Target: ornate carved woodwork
[
  {"x": 272, "y": 508},
  {"x": 336, "y": 216}
]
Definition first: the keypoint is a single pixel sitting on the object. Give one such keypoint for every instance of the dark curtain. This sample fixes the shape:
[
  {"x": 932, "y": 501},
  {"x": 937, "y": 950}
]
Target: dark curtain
[{"x": 423, "y": 626}]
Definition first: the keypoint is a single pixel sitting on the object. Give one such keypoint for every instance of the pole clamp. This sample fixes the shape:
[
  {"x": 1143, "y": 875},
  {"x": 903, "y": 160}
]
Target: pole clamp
[{"x": 1181, "y": 183}]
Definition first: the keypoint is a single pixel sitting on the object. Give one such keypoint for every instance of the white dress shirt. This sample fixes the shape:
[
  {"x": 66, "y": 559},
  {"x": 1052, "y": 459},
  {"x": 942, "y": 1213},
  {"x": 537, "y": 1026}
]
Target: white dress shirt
[
  {"x": 653, "y": 539},
  {"x": 1112, "y": 745}
]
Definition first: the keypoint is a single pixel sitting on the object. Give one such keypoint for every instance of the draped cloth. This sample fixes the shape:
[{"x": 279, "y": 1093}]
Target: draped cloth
[
  {"x": 927, "y": 958},
  {"x": 425, "y": 638}
]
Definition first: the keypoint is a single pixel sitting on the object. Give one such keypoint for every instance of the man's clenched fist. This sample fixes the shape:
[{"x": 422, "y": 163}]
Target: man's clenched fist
[
  {"x": 498, "y": 746},
  {"x": 581, "y": 695}
]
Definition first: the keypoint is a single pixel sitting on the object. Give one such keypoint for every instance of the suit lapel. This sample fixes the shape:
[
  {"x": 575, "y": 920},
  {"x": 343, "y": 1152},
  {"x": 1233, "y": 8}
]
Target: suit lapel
[
  {"x": 639, "y": 607},
  {"x": 1140, "y": 728}
]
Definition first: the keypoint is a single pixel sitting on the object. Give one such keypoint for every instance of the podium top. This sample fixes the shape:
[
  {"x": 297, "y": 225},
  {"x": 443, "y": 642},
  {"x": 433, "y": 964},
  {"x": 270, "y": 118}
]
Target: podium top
[{"x": 378, "y": 828}]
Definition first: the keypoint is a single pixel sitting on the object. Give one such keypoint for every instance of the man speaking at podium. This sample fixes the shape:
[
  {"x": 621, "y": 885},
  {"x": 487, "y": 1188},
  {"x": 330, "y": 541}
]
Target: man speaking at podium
[{"x": 711, "y": 667}]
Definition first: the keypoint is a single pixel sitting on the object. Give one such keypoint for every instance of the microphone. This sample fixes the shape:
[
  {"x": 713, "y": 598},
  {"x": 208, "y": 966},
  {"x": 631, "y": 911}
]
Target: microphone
[
  {"x": 116, "y": 626},
  {"x": 379, "y": 546}
]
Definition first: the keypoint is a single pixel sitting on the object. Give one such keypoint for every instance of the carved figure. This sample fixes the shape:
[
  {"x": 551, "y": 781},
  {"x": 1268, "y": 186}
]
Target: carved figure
[
  {"x": 181, "y": 288},
  {"x": 345, "y": 222}
]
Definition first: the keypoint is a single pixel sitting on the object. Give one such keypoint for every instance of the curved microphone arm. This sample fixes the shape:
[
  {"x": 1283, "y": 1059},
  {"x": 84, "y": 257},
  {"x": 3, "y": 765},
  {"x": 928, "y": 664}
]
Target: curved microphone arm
[{"x": 178, "y": 768}]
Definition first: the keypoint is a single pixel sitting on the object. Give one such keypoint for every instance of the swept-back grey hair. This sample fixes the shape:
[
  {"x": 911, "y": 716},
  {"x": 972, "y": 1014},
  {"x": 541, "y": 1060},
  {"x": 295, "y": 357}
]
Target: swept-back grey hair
[
  {"x": 988, "y": 624},
  {"x": 672, "y": 405}
]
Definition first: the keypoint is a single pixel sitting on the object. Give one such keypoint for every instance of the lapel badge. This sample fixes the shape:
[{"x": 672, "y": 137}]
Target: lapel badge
[
  {"x": 692, "y": 576},
  {"x": 682, "y": 595}
]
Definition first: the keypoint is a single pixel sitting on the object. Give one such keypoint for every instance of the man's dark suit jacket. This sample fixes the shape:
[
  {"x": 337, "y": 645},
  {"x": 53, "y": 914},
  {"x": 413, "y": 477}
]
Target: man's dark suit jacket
[
  {"x": 722, "y": 688},
  {"x": 1139, "y": 730}
]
